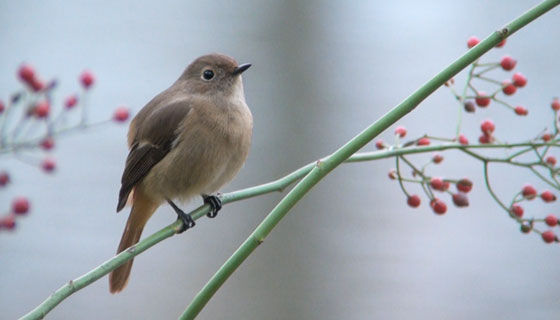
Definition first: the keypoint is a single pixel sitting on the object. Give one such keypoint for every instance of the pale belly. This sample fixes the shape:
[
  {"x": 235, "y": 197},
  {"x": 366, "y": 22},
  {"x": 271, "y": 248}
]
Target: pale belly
[{"x": 201, "y": 163}]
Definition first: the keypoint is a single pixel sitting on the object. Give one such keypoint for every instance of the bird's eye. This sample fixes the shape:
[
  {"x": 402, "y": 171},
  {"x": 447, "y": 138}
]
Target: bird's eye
[{"x": 207, "y": 74}]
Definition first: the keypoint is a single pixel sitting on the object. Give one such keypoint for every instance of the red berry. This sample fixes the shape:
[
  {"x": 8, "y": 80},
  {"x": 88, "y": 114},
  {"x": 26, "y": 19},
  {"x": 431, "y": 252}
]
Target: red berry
[
  {"x": 48, "y": 165},
  {"x": 501, "y": 44},
  {"x": 484, "y": 139},
  {"x": 555, "y": 105},
  {"x": 464, "y": 185},
  {"x": 26, "y": 73},
  {"x": 42, "y": 109},
  {"x": 548, "y": 236},
  {"x": 438, "y": 206},
  {"x": 20, "y": 205},
  {"x": 437, "y": 184},
  {"x": 472, "y": 41},
  {"x": 437, "y": 158},
  {"x": 519, "y": 80},
  {"x": 551, "y": 160},
  {"x": 482, "y": 99},
  {"x": 47, "y": 143},
  {"x": 463, "y": 140},
  {"x": 551, "y": 220},
  {"x": 487, "y": 127},
  {"x": 546, "y": 137},
  {"x": 71, "y": 101},
  {"x": 379, "y": 144},
  {"x": 8, "y": 222},
  {"x": 121, "y": 114},
  {"x": 469, "y": 106},
  {"x": 460, "y": 199},
  {"x": 400, "y": 131},
  {"x": 517, "y": 210},
  {"x": 529, "y": 192},
  {"x": 2, "y": 106},
  {"x": 37, "y": 85},
  {"x": 392, "y": 174},
  {"x": 413, "y": 201},
  {"x": 508, "y": 88},
  {"x": 548, "y": 196},
  {"x": 87, "y": 79},
  {"x": 508, "y": 63},
  {"x": 423, "y": 142},
  {"x": 520, "y": 110},
  {"x": 4, "y": 178}
]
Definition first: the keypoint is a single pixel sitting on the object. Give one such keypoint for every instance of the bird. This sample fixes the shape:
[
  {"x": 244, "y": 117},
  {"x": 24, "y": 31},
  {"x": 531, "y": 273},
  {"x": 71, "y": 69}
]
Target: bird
[{"x": 188, "y": 141}]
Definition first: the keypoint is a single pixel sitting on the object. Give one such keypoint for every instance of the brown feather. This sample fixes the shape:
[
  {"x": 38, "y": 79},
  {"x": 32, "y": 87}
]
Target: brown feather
[
  {"x": 142, "y": 210},
  {"x": 151, "y": 144}
]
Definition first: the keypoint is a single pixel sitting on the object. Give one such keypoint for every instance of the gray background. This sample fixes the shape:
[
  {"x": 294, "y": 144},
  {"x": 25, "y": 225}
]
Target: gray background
[{"x": 322, "y": 71}]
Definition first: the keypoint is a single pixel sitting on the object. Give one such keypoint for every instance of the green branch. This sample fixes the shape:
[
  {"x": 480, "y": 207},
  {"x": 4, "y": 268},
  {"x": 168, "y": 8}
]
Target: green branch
[
  {"x": 274, "y": 186},
  {"x": 323, "y": 167}
]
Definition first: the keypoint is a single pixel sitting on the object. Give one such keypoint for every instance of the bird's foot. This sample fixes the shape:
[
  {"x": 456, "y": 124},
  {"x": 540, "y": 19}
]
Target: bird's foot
[
  {"x": 187, "y": 220},
  {"x": 215, "y": 205}
]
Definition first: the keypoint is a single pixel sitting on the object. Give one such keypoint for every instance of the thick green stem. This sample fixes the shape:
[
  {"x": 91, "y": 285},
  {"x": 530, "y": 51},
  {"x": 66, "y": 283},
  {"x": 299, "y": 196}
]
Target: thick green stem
[{"x": 323, "y": 167}]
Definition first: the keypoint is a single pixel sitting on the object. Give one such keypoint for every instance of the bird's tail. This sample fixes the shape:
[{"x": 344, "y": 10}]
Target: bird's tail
[{"x": 142, "y": 210}]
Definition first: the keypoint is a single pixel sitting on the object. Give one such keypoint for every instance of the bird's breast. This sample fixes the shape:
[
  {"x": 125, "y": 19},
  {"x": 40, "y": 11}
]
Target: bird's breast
[{"x": 210, "y": 150}]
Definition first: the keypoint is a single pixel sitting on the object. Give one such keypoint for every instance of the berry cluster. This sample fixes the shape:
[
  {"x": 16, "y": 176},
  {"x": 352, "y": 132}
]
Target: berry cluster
[
  {"x": 507, "y": 87},
  {"x": 30, "y": 122},
  {"x": 529, "y": 193},
  {"x": 432, "y": 186},
  {"x": 534, "y": 154}
]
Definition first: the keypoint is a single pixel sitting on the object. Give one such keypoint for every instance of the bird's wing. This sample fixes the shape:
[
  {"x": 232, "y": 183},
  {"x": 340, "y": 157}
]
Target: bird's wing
[{"x": 152, "y": 142}]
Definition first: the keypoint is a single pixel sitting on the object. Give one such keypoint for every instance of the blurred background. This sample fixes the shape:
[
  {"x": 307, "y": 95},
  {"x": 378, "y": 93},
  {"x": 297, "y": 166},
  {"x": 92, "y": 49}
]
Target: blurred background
[{"x": 322, "y": 71}]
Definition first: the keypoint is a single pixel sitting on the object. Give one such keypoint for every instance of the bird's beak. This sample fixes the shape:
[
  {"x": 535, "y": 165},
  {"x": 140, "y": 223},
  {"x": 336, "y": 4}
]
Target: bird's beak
[{"x": 241, "y": 68}]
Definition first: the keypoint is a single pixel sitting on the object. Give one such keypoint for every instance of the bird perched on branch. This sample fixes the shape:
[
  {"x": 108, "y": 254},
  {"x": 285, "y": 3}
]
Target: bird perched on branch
[{"x": 189, "y": 140}]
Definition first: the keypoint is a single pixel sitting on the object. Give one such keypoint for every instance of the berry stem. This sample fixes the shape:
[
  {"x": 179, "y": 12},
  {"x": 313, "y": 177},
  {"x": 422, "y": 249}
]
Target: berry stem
[
  {"x": 6, "y": 115},
  {"x": 427, "y": 190},
  {"x": 20, "y": 125},
  {"x": 455, "y": 94},
  {"x": 12, "y": 146},
  {"x": 491, "y": 67},
  {"x": 493, "y": 64},
  {"x": 469, "y": 84},
  {"x": 517, "y": 154},
  {"x": 543, "y": 178},
  {"x": 489, "y": 80},
  {"x": 502, "y": 102},
  {"x": 487, "y": 183},
  {"x": 536, "y": 150},
  {"x": 462, "y": 101},
  {"x": 440, "y": 139},
  {"x": 84, "y": 103},
  {"x": 399, "y": 177}
]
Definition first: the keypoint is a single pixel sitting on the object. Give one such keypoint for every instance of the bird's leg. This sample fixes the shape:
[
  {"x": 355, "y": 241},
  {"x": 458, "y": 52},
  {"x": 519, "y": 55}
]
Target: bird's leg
[
  {"x": 215, "y": 205},
  {"x": 187, "y": 220}
]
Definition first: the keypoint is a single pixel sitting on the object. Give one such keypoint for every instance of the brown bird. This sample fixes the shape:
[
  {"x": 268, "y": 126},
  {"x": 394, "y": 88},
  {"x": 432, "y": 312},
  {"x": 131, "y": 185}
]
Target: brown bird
[{"x": 189, "y": 140}]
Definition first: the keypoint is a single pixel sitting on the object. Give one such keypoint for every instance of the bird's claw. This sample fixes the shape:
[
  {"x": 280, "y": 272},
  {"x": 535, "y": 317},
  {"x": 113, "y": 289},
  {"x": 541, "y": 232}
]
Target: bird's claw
[
  {"x": 215, "y": 205},
  {"x": 187, "y": 220}
]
